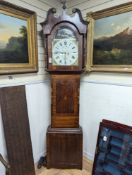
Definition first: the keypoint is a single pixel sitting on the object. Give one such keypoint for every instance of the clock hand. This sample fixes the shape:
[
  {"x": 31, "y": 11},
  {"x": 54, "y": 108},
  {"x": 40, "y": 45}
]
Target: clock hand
[
  {"x": 59, "y": 52},
  {"x": 65, "y": 58}
]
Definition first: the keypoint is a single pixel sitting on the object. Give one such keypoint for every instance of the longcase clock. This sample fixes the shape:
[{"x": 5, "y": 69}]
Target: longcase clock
[{"x": 65, "y": 50}]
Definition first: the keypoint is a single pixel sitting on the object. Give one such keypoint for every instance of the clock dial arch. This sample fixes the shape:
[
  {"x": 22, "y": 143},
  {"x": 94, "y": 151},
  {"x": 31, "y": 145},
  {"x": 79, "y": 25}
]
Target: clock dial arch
[{"x": 63, "y": 59}]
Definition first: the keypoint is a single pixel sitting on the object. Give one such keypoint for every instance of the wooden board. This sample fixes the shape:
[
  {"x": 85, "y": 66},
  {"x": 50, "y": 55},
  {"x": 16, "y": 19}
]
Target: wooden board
[{"x": 16, "y": 130}]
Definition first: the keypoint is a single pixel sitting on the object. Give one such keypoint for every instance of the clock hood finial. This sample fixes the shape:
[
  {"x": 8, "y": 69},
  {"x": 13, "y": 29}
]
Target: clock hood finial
[{"x": 63, "y": 2}]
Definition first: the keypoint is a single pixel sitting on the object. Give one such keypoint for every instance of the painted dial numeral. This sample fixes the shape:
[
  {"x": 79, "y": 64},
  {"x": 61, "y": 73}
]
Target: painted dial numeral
[{"x": 65, "y": 52}]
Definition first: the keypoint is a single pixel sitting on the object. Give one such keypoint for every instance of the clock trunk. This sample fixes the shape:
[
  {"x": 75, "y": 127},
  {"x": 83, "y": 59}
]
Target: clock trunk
[
  {"x": 65, "y": 52},
  {"x": 65, "y": 101}
]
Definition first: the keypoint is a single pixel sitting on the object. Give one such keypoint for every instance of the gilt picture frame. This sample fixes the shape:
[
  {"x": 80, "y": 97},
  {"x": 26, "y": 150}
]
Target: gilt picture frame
[
  {"x": 18, "y": 40},
  {"x": 109, "y": 39}
]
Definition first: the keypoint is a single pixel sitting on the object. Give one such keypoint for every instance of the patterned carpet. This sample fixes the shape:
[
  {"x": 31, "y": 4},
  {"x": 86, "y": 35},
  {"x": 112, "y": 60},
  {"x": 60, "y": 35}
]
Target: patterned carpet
[{"x": 87, "y": 168}]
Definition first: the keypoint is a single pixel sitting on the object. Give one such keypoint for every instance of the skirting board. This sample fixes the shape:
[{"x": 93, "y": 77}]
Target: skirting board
[
  {"x": 37, "y": 157},
  {"x": 89, "y": 156}
]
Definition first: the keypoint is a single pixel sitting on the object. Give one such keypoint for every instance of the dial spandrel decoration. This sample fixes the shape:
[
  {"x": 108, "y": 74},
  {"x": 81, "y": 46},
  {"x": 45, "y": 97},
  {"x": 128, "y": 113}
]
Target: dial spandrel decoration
[{"x": 65, "y": 48}]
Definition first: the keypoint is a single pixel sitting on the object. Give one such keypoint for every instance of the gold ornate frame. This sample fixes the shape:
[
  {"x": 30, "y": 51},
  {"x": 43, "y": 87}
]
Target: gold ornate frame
[
  {"x": 30, "y": 17},
  {"x": 91, "y": 17}
]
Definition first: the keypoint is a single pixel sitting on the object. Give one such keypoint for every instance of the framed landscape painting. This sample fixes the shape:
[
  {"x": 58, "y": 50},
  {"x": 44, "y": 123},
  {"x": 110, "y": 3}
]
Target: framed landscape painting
[
  {"x": 110, "y": 39},
  {"x": 18, "y": 47}
]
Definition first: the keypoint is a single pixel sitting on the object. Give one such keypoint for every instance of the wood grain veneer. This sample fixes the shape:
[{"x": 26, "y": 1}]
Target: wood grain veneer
[{"x": 16, "y": 130}]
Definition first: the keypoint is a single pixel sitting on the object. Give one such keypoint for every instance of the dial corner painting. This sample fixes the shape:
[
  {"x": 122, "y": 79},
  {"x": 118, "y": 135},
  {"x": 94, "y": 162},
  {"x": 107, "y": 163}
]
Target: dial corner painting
[
  {"x": 18, "y": 49},
  {"x": 110, "y": 37}
]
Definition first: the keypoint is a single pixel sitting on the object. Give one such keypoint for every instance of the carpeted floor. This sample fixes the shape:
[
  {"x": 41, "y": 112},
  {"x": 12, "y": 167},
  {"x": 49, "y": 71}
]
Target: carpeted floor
[{"x": 87, "y": 168}]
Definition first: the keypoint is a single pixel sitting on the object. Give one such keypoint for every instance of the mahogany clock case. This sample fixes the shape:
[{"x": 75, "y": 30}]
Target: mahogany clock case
[
  {"x": 114, "y": 149},
  {"x": 64, "y": 136}
]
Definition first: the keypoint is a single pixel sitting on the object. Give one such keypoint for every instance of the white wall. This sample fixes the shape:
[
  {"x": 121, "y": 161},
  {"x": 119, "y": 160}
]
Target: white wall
[
  {"x": 38, "y": 101},
  {"x": 93, "y": 5},
  {"x": 102, "y": 95},
  {"x": 37, "y": 86},
  {"x": 102, "y": 101}
]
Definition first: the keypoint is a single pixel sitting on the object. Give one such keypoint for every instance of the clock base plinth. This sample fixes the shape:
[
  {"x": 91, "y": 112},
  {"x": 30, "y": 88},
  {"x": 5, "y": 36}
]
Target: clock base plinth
[{"x": 64, "y": 147}]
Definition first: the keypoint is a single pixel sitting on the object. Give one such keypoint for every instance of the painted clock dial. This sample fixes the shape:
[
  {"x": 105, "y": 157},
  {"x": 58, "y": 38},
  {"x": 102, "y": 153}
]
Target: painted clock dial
[{"x": 65, "y": 48}]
